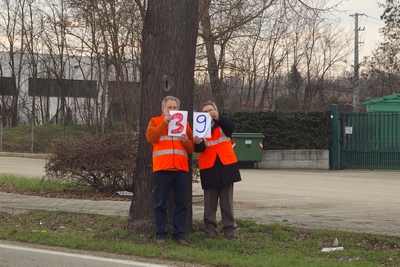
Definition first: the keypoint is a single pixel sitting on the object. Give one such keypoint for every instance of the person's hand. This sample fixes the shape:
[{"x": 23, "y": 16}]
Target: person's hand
[
  {"x": 184, "y": 138},
  {"x": 197, "y": 140},
  {"x": 214, "y": 115},
  {"x": 167, "y": 118}
]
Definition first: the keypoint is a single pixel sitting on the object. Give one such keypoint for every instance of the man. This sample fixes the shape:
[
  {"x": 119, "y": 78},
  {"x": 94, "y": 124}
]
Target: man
[
  {"x": 218, "y": 171},
  {"x": 170, "y": 171}
]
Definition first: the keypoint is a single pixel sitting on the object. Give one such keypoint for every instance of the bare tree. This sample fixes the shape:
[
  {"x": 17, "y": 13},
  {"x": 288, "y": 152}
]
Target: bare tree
[
  {"x": 12, "y": 28},
  {"x": 224, "y": 22},
  {"x": 258, "y": 57},
  {"x": 54, "y": 38},
  {"x": 221, "y": 21},
  {"x": 381, "y": 71},
  {"x": 321, "y": 49},
  {"x": 89, "y": 33},
  {"x": 113, "y": 29},
  {"x": 117, "y": 28},
  {"x": 168, "y": 58}
]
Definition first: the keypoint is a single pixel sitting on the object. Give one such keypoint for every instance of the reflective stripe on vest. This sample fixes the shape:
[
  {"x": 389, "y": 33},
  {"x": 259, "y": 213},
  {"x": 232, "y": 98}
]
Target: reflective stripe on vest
[
  {"x": 223, "y": 138},
  {"x": 169, "y": 151},
  {"x": 166, "y": 138}
]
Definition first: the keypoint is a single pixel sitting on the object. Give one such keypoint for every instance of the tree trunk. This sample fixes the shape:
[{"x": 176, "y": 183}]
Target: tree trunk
[
  {"x": 168, "y": 59},
  {"x": 212, "y": 64}
]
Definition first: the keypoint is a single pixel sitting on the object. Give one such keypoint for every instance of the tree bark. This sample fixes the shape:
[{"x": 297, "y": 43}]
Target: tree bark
[{"x": 168, "y": 60}]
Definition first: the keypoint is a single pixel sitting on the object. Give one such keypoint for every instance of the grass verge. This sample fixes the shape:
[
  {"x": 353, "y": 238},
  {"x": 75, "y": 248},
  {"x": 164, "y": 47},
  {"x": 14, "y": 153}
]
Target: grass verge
[
  {"x": 257, "y": 245},
  {"x": 34, "y": 184}
]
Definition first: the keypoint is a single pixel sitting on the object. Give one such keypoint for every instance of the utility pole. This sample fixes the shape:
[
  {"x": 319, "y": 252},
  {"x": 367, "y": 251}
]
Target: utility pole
[
  {"x": 1, "y": 132},
  {"x": 356, "y": 95}
]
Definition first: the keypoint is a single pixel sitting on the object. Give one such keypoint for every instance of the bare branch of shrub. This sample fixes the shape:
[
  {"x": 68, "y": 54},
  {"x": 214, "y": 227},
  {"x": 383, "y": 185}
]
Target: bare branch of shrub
[{"x": 106, "y": 162}]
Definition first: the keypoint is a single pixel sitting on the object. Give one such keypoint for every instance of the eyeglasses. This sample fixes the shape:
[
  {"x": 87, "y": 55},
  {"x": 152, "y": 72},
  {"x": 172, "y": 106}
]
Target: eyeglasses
[{"x": 211, "y": 109}]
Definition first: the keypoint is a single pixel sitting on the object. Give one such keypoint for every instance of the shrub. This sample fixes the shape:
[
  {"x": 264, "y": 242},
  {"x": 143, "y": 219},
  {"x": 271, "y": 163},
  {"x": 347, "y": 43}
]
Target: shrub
[
  {"x": 286, "y": 130},
  {"x": 106, "y": 162}
]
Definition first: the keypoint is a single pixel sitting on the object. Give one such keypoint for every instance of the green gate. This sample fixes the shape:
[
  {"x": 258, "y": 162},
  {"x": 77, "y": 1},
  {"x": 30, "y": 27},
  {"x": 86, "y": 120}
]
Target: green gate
[{"x": 368, "y": 140}]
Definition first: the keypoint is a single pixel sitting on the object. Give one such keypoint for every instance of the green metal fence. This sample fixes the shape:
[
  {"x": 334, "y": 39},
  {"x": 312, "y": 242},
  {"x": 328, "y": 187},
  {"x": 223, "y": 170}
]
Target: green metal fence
[{"x": 370, "y": 140}]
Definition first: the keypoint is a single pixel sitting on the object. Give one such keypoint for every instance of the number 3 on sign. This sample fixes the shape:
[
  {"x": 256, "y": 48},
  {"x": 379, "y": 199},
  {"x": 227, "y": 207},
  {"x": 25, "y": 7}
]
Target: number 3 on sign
[
  {"x": 201, "y": 124},
  {"x": 177, "y": 125}
]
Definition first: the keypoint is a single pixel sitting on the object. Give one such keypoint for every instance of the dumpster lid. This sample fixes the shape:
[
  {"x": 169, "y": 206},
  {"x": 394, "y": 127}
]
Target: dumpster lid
[{"x": 249, "y": 135}]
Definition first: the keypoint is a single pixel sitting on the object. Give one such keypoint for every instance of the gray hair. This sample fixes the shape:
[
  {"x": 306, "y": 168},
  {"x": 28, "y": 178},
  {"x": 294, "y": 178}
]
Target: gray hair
[
  {"x": 170, "y": 97},
  {"x": 209, "y": 103}
]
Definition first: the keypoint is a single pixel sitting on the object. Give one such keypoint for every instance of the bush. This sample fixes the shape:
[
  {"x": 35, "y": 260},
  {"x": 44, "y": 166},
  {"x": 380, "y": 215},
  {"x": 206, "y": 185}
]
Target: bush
[
  {"x": 286, "y": 130},
  {"x": 106, "y": 162}
]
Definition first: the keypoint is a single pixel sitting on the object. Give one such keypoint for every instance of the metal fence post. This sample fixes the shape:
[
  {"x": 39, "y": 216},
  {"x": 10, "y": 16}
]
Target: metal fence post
[{"x": 334, "y": 153}]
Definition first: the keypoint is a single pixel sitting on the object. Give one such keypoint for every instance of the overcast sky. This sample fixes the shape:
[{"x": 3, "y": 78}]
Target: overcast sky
[{"x": 370, "y": 21}]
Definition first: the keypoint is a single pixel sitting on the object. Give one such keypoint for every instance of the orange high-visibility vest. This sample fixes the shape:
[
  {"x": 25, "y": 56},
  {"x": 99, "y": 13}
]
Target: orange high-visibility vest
[
  {"x": 169, "y": 152},
  {"x": 219, "y": 144}
]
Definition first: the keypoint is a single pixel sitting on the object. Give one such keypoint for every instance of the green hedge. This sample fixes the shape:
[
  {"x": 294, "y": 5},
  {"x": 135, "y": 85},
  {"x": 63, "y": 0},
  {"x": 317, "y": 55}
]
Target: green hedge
[{"x": 286, "y": 130}]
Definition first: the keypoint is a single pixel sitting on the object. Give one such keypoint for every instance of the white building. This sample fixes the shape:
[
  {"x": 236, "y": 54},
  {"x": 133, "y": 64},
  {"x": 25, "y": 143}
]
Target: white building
[{"x": 39, "y": 83}]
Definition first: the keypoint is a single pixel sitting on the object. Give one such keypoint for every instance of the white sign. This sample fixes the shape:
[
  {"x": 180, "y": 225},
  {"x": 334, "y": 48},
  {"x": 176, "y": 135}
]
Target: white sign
[
  {"x": 202, "y": 124},
  {"x": 177, "y": 125},
  {"x": 348, "y": 130}
]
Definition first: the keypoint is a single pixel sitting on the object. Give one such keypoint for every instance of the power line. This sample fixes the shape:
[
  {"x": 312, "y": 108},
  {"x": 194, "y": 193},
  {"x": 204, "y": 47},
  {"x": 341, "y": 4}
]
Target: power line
[{"x": 374, "y": 18}]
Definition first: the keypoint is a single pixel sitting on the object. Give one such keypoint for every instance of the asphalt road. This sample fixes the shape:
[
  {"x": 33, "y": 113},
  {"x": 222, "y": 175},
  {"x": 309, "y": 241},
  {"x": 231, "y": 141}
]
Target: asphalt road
[
  {"x": 29, "y": 167},
  {"x": 12, "y": 255}
]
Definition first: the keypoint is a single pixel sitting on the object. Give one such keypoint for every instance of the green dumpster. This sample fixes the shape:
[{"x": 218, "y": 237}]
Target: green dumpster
[{"x": 248, "y": 148}]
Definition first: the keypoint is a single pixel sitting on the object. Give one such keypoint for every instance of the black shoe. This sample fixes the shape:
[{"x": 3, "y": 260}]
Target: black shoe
[
  {"x": 182, "y": 242},
  {"x": 161, "y": 241}
]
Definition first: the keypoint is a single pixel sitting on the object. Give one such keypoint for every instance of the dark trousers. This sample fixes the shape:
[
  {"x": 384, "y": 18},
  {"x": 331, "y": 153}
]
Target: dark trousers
[
  {"x": 164, "y": 181},
  {"x": 225, "y": 195}
]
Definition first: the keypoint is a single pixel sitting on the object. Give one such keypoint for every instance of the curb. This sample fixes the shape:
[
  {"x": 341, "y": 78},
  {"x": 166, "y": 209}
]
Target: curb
[{"x": 24, "y": 155}]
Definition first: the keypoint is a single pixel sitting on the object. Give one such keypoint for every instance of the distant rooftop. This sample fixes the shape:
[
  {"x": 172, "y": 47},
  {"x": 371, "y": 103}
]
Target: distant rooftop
[{"x": 390, "y": 103}]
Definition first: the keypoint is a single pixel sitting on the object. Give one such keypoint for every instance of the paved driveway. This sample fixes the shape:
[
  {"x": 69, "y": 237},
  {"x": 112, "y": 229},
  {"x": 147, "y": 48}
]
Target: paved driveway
[{"x": 362, "y": 200}]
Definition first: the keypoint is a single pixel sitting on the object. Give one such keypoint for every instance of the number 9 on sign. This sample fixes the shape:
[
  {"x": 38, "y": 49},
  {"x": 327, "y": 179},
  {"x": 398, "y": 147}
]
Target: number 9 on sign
[{"x": 202, "y": 124}]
